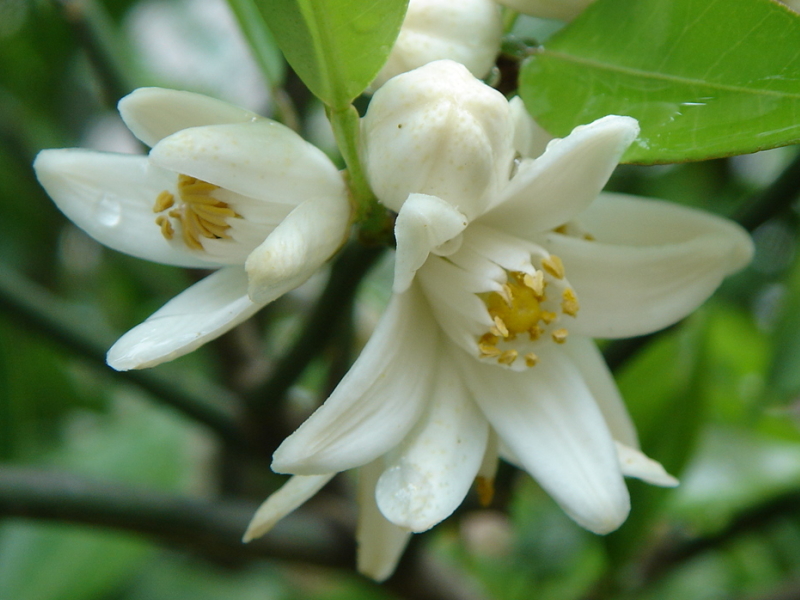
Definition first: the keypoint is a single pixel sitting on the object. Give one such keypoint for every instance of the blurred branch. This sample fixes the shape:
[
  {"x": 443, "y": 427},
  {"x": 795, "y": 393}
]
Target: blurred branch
[
  {"x": 346, "y": 272},
  {"x": 94, "y": 33},
  {"x": 673, "y": 552},
  {"x": 210, "y": 529},
  {"x": 56, "y": 320}
]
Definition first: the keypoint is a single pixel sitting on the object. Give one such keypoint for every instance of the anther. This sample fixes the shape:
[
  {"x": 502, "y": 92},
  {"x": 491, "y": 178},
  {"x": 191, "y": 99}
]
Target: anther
[
  {"x": 487, "y": 350},
  {"x": 553, "y": 265},
  {"x": 500, "y": 326},
  {"x": 548, "y": 317},
  {"x": 535, "y": 282},
  {"x": 535, "y": 332},
  {"x": 569, "y": 302},
  {"x": 164, "y": 201},
  {"x": 508, "y": 357},
  {"x": 166, "y": 227},
  {"x": 531, "y": 359},
  {"x": 559, "y": 336}
]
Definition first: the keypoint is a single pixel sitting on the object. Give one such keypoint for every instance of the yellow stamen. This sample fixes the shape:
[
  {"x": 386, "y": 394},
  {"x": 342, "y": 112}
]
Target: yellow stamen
[
  {"x": 164, "y": 201},
  {"x": 548, "y": 317},
  {"x": 485, "y": 489},
  {"x": 487, "y": 350},
  {"x": 166, "y": 227},
  {"x": 508, "y": 357},
  {"x": 531, "y": 359},
  {"x": 500, "y": 326},
  {"x": 553, "y": 265},
  {"x": 569, "y": 303},
  {"x": 559, "y": 336},
  {"x": 536, "y": 283}
]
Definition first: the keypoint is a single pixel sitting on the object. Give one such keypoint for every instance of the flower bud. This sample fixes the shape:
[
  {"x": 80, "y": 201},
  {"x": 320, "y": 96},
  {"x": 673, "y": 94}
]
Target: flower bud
[
  {"x": 467, "y": 31},
  {"x": 438, "y": 131}
]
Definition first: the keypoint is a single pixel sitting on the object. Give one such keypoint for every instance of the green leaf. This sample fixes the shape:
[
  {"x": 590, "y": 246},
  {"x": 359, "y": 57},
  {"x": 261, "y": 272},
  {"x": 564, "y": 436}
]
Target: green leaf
[
  {"x": 705, "y": 78},
  {"x": 338, "y": 47}
]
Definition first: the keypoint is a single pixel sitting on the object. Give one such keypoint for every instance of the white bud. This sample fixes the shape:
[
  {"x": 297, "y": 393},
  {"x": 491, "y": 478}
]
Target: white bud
[
  {"x": 438, "y": 131},
  {"x": 466, "y": 31}
]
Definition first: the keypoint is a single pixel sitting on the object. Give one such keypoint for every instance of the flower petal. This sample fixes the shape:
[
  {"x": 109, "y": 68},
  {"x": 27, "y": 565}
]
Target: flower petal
[
  {"x": 530, "y": 138},
  {"x": 635, "y": 464},
  {"x": 428, "y": 475},
  {"x": 378, "y": 401},
  {"x": 547, "y": 418},
  {"x": 380, "y": 542},
  {"x": 548, "y": 191},
  {"x": 289, "y": 497},
  {"x": 201, "y": 313},
  {"x": 589, "y": 360},
  {"x": 111, "y": 197},
  {"x": 652, "y": 264},
  {"x": 300, "y": 245},
  {"x": 261, "y": 159},
  {"x": 423, "y": 223},
  {"x": 154, "y": 113}
]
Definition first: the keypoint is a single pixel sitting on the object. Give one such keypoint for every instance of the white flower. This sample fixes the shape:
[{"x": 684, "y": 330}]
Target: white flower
[
  {"x": 467, "y": 31},
  {"x": 506, "y": 267},
  {"x": 221, "y": 188},
  {"x": 564, "y": 10}
]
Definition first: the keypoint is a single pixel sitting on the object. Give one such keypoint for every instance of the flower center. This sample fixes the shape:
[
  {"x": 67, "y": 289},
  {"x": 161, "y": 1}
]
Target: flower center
[
  {"x": 523, "y": 307},
  {"x": 199, "y": 214}
]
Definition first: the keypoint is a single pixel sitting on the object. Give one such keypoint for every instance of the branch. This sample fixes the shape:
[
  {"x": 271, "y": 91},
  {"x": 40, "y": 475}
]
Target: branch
[
  {"x": 56, "y": 320},
  {"x": 210, "y": 529},
  {"x": 346, "y": 273}
]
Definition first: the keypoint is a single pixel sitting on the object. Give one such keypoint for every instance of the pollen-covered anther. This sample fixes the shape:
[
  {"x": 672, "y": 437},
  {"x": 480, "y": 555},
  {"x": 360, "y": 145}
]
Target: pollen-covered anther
[
  {"x": 501, "y": 327},
  {"x": 559, "y": 335},
  {"x": 200, "y": 214},
  {"x": 569, "y": 302},
  {"x": 553, "y": 265},
  {"x": 548, "y": 317},
  {"x": 536, "y": 283},
  {"x": 507, "y": 357},
  {"x": 531, "y": 359}
]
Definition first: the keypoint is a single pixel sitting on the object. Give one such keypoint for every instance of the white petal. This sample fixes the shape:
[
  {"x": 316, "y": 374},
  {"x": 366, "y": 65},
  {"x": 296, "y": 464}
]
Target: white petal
[
  {"x": 154, "y": 113},
  {"x": 530, "y": 139},
  {"x": 652, "y": 264},
  {"x": 636, "y": 464},
  {"x": 423, "y": 223},
  {"x": 548, "y": 191},
  {"x": 378, "y": 401},
  {"x": 300, "y": 245},
  {"x": 380, "y": 543},
  {"x": 203, "y": 312},
  {"x": 547, "y": 418},
  {"x": 291, "y": 496},
  {"x": 111, "y": 197},
  {"x": 262, "y": 160},
  {"x": 428, "y": 475},
  {"x": 589, "y": 360}
]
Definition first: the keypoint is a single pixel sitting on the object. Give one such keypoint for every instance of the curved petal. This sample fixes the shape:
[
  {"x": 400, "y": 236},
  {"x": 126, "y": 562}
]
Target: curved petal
[
  {"x": 550, "y": 423},
  {"x": 428, "y": 475},
  {"x": 198, "y": 315},
  {"x": 652, "y": 264},
  {"x": 590, "y": 362},
  {"x": 288, "y": 498},
  {"x": 300, "y": 245},
  {"x": 378, "y": 401},
  {"x": 550, "y": 190},
  {"x": 530, "y": 138},
  {"x": 423, "y": 223},
  {"x": 380, "y": 543},
  {"x": 154, "y": 113},
  {"x": 111, "y": 197},
  {"x": 635, "y": 464},
  {"x": 261, "y": 159}
]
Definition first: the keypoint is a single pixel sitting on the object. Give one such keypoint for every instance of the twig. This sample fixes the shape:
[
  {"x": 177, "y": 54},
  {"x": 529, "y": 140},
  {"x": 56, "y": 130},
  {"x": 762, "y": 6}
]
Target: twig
[
  {"x": 54, "y": 319},
  {"x": 210, "y": 529},
  {"x": 347, "y": 271}
]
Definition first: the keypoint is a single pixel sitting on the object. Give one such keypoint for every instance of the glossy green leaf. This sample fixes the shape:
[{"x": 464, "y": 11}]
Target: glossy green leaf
[
  {"x": 336, "y": 47},
  {"x": 705, "y": 78}
]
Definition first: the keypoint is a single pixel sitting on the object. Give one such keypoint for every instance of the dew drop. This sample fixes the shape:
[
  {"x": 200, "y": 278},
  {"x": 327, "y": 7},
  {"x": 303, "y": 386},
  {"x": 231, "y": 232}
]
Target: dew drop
[{"x": 108, "y": 211}]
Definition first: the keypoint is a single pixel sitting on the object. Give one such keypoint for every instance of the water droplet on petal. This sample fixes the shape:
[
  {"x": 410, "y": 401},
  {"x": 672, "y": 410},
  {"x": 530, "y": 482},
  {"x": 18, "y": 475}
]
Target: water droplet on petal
[{"x": 108, "y": 211}]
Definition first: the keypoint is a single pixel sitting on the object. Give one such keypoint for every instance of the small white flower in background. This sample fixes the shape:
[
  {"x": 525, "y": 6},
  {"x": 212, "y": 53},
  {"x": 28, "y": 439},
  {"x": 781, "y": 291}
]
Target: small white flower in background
[
  {"x": 467, "y": 31},
  {"x": 506, "y": 266},
  {"x": 563, "y": 10},
  {"x": 222, "y": 188}
]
